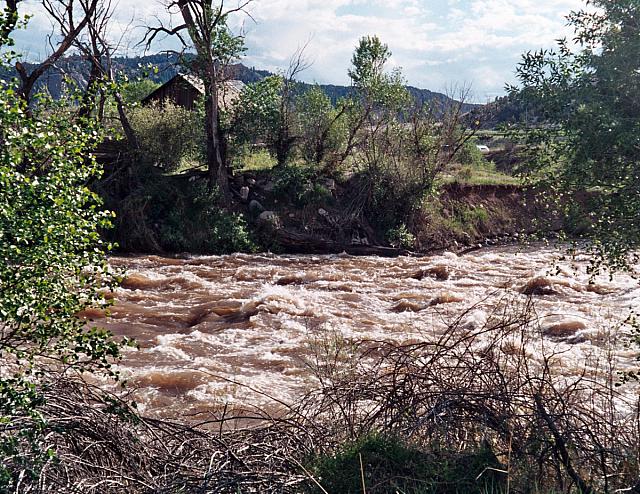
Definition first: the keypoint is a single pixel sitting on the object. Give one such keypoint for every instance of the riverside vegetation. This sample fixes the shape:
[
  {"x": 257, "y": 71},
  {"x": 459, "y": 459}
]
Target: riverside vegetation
[{"x": 466, "y": 412}]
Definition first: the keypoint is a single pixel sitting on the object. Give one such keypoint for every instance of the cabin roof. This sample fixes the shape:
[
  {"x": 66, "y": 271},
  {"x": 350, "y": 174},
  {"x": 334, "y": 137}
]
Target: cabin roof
[{"x": 229, "y": 91}]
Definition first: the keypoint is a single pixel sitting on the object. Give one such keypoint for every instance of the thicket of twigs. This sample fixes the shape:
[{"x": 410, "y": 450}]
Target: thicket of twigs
[{"x": 496, "y": 388}]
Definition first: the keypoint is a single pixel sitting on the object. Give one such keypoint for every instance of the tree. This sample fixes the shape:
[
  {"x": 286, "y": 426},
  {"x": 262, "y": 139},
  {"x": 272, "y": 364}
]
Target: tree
[
  {"x": 52, "y": 265},
  {"x": 321, "y": 130},
  {"x": 379, "y": 96},
  {"x": 588, "y": 140},
  {"x": 205, "y": 22},
  {"x": 267, "y": 111},
  {"x": 73, "y": 14}
]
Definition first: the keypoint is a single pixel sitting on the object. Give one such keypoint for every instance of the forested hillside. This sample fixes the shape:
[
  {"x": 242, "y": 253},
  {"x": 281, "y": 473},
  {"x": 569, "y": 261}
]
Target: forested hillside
[{"x": 162, "y": 67}]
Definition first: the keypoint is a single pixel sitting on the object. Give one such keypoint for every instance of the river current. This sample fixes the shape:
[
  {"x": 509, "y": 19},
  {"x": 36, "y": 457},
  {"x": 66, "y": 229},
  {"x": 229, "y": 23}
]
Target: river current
[{"x": 241, "y": 329}]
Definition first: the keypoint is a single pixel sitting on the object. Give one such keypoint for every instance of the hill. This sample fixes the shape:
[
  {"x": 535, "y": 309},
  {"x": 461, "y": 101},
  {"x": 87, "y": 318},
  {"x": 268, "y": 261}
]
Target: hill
[{"x": 165, "y": 66}]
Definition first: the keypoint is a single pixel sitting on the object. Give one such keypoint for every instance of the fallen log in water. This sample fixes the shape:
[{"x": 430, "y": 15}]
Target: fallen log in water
[{"x": 304, "y": 243}]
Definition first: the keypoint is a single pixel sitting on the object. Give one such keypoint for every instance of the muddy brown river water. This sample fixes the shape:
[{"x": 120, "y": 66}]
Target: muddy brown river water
[{"x": 239, "y": 328}]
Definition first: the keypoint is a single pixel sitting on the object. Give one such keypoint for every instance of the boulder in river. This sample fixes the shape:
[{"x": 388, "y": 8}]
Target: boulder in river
[
  {"x": 440, "y": 273},
  {"x": 564, "y": 329},
  {"x": 539, "y": 286}
]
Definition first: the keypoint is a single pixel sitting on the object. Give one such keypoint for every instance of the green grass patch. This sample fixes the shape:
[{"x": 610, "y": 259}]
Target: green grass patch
[
  {"x": 485, "y": 174},
  {"x": 254, "y": 159},
  {"x": 386, "y": 464}
]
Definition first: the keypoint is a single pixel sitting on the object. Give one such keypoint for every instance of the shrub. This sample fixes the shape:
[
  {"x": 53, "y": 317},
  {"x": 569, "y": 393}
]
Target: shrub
[
  {"x": 390, "y": 464},
  {"x": 168, "y": 135},
  {"x": 249, "y": 157},
  {"x": 176, "y": 214},
  {"x": 298, "y": 184},
  {"x": 401, "y": 237},
  {"x": 52, "y": 267},
  {"x": 470, "y": 155}
]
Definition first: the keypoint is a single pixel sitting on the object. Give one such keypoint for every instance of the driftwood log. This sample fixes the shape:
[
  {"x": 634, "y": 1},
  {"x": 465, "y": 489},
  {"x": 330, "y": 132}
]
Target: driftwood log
[{"x": 302, "y": 243}]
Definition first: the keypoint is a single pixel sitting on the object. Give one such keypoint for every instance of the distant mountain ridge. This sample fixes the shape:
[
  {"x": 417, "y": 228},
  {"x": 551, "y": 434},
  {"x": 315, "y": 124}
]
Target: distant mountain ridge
[{"x": 168, "y": 65}]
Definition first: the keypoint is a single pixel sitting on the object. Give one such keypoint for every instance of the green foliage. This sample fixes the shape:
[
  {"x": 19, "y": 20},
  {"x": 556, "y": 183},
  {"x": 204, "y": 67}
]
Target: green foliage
[
  {"x": 168, "y": 135},
  {"x": 469, "y": 154},
  {"x": 372, "y": 83},
  {"x": 258, "y": 112},
  {"x": 174, "y": 213},
  {"x": 52, "y": 267},
  {"x": 392, "y": 465},
  {"x": 252, "y": 158},
  {"x": 591, "y": 119},
  {"x": 135, "y": 91},
  {"x": 197, "y": 224},
  {"x": 322, "y": 129},
  {"x": 400, "y": 236},
  {"x": 297, "y": 183}
]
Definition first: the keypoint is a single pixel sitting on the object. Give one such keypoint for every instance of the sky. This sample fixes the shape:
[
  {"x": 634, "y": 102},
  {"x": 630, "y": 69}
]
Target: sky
[{"x": 438, "y": 45}]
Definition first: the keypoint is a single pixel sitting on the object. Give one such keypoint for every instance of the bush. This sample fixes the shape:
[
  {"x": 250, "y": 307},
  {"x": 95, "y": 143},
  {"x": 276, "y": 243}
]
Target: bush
[
  {"x": 52, "y": 267},
  {"x": 401, "y": 237},
  {"x": 177, "y": 214},
  {"x": 250, "y": 157},
  {"x": 298, "y": 184},
  {"x": 391, "y": 464},
  {"x": 470, "y": 155},
  {"x": 201, "y": 226},
  {"x": 168, "y": 135}
]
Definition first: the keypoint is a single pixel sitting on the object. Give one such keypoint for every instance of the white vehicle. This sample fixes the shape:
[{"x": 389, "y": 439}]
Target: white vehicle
[{"x": 482, "y": 148}]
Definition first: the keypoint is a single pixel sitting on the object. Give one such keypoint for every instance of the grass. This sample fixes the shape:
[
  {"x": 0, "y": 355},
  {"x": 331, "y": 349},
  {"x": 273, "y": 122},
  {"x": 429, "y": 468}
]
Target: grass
[
  {"x": 254, "y": 160},
  {"x": 485, "y": 174},
  {"x": 379, "y": 464}
]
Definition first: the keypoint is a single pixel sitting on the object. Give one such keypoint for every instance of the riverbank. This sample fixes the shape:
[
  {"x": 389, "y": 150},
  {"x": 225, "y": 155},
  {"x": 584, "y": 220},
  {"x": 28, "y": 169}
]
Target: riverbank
[{"x": 285, "y": 213}]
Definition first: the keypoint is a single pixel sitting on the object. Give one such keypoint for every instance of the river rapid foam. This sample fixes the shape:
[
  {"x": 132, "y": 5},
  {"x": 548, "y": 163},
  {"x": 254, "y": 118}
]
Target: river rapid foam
[{"x": 242, "y": 329}]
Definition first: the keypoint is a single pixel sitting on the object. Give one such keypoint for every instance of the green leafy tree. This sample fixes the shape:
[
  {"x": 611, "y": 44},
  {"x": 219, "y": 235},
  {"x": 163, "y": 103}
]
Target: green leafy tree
[
  {"x": 587, "y": 140},
  {"x": 267, "y": 111},
  {"x": 321, "y": 126},
  {"x": 167, "y": 136},
  {"x": 379, "y": 95},
  {"x": 52, "y": 267},
  {"x": 205, "y": 22},
  {"x": 135, "y": 91},
  {"x": 257, "y": 114}
]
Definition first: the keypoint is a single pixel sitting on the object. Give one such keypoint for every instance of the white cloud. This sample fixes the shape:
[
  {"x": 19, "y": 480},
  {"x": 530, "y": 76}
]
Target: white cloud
[{"x": 435, "y": 42}]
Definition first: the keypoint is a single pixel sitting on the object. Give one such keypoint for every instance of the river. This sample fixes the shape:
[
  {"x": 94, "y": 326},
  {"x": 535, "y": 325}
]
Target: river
[{"x": 240, "y": 329}]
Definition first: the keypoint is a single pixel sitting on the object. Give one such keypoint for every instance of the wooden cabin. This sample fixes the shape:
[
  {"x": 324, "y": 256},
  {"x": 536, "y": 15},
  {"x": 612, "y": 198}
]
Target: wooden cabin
[{"x": 184, "y": 90}]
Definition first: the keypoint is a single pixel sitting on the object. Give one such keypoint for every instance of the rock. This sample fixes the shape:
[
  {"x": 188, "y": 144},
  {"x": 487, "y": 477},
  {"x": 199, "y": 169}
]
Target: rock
[
  {"x": 269, "y": 186},
  {"x": 445, "y": 298},
  {"x": 407, "y": 306},
  {"x": 564, "y": 329},
  {"x": 244, "y": 193},
  {"x": 539, "y": 286},
  {"x": 329, "y": 184},
  {"x": 440, "y": 273},
  {"x": 271, "y": 219},
  {"x": 323, "y": 212},
  {"x": 255, "y": 207}
]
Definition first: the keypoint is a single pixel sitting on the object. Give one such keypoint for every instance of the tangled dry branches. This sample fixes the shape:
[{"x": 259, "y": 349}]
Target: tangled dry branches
[{"x": 497, "y": 387}]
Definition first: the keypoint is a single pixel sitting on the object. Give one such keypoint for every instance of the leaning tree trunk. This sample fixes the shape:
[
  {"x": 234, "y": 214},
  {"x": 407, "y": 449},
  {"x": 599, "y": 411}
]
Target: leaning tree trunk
[{"x": 215, "y": 163}]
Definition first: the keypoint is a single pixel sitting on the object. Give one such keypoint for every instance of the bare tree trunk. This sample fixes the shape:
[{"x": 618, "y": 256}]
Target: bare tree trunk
[
  {"x": 216, "y": 168},
  {"x": 62, "y": 12}
]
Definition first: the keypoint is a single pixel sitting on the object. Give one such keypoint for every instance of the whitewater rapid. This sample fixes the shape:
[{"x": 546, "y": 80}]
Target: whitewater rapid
[{"x": 245, "y": 329}]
